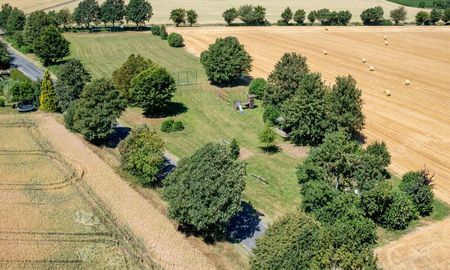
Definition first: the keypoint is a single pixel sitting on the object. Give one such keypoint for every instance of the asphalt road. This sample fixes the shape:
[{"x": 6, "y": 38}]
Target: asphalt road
[{"x": 27, "y": 67}]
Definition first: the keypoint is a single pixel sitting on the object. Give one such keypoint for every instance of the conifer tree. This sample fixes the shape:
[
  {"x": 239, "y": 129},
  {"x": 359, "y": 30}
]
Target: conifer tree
[{"x": 47, "y": 98}]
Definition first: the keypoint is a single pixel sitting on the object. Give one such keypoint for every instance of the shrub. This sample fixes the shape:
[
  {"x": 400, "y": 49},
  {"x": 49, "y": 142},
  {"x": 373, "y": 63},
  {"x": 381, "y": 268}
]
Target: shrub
[
  {"x": 156, "y": 30},
  {"x": 270, "y": 115},
  {"x": 175, "y": 40},
  {"x": 123, "y": 76},
  {"x": 418, "y": 186},
  {"x": 153, "y": 89},
  {"x": 257, "y": 87},
  {"x": 163, "y": 32},
  {"x": 48, "y": 100},
  {"x": 372, "y": 16},
  {"x": 95, "y": 114},
  {"x": 24, "y": 91},
  {"x": 167, "y": 125},
  {"x": 2, "y": 101},
  {"x": 422, "y": 17},
  {"x": 230, "y": 15},
  {"x": 177, "y": 126},
  {"x": 400, "y": 212},
  {"x": 234, "y": 148},
  {"x": 376, "y": 201},
  {"x": 217, "y": 61},
  {"x": 142, "y": 155},
  {"x": 205, "y": 190}
]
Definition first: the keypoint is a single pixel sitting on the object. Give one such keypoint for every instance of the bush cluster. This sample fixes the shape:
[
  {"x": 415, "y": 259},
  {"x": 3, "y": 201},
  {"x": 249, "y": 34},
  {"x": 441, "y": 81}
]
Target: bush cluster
[
  {"x": 248, "y": 14},
  {"x": 171, "y": 125},
  {"x": 257, "y": 87},
  {"x": 175, "y": 40}
]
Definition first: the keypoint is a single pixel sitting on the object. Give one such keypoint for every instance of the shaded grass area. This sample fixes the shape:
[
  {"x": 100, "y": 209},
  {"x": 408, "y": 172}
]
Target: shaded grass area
[
  {"x": 209, "y": 114},
  {"x": 7, "y": 110}
]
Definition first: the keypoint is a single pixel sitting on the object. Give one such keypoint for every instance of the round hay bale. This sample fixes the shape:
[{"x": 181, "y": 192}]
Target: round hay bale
[
  {"x": 387, "y": 93},
  {"x": 386, "y": 43},
  {"x": 385, "y": 37},
  {"x": 372, "y": 68},
  {"x": 325, "y": 52},
  {"x": 407, "y": 82},
  {"x": 326, "y": 28},
  {"x": 364, "y": 60}
]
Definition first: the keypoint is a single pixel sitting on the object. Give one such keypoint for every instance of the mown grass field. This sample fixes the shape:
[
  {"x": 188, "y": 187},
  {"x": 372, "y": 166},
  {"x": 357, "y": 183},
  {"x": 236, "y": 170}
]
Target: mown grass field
[
  {"x": 413, "y": 3},
  {"x": 207, "y": 112}
]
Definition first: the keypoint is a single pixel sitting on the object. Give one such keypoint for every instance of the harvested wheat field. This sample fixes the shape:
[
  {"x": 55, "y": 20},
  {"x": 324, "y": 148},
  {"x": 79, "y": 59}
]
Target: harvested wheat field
[
  {"x": 414, "y": 120},
  {"x": 79, "y": 213},
  {"x": 210, "y": 12}
]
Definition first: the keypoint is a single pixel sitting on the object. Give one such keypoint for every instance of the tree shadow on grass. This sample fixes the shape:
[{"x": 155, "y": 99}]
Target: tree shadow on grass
[
  {"x": 120, "y": 134},
  {"x": 271, "y": 149},
  {"x": 172, "y": 109},
  {"x": 243, "y": 81},
  {"x": 244, "y": 224}
]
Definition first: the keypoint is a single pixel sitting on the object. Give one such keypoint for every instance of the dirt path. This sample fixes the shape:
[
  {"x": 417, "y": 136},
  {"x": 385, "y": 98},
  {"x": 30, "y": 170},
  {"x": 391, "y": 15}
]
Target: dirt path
[{"x": 167, "y": 246}]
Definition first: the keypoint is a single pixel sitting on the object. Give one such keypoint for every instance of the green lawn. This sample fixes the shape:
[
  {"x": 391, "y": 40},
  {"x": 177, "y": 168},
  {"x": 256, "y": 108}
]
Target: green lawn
[
  {"x": 413, "y": 3},
  {"x": 208, "y": 114}
]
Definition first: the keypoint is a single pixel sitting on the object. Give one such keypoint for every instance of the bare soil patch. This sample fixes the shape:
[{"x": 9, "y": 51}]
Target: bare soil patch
[
  {"x": 245, "y": 153},
  {"x": 294, "y": 151}
]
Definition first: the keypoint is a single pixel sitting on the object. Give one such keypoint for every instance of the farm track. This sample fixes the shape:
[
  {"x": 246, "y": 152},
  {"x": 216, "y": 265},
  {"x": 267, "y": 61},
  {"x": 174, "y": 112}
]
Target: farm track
[
  {"x": 117, "y": 236},
  {"x": 414, "y": 121}
]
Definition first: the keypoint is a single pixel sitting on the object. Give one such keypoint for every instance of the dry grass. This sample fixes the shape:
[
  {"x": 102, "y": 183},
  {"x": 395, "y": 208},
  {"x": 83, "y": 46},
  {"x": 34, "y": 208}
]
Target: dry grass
[{"x": 210, "y": 12}]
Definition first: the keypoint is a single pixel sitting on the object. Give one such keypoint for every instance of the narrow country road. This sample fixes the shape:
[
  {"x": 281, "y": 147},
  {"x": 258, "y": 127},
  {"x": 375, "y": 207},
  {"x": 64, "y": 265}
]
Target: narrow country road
[{"x": 25, "y": 66}]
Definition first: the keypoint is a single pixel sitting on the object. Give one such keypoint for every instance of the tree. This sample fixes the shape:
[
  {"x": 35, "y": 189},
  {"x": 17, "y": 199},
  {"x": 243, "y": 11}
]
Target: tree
[
  {"x": 418, "y": 185},
  {"x": 422, "y": 17},
  {"x": 142, "y": 155},
  {"x": 86, "y": 12},
  {"x": 178, "y": 16},
  {"x": 16, "y": 21},
  {"x": 345, "y": 106},
  {"x": 287, "y": 15},
  {"x": 191, "y": 16},
  {"x": 72, "y": 77},
  {"x": 285, "y": 78},
  {"x": 152, "y": 89},
  {"x": 400, "y": 212},
  {"x": 64, "y": 17},
  {"x": 48, "y": 101},
  {"x": 123, "y": 76},
  {"x": 312, "y": 16},
  {"x": 379, "y": 150},
  {"x": 317, "y": 194},
  {"x": 372, "y": 16},
  {"x": 95, "y": 114},
  {"x": 332, "y": 161},
  {"x": 226, "y": 61},
  {"x": 267, "y": 137},
  {"x": 163, "y": 32},
  {"x": 299, "y": 16},
  {"x": 296, "y": 241},
  {"x": 230, "y": 15},
  {"x": 305, "y": 114},
  {"x": 370, "y": 168},
  {"x": 398, "y": 15},
  {"x": 344, "y": 17},
  {"x": 35, "y": 25},
  {"x": 4, "y": 14},
  {"x": 252, "y": 15},
  {"x": 51, "y": 46},
  {"x": 205, "y": 190},
  {"x": 446, "y": 15},
  {"x": 139, "y": 11},
  {"x": 234, "y": 148},
  {"x": 435, "y": 15},
  {"x": 175, "y": 40},
  {"x": 112, "y": 11},
  {"x": 376, "y": 201},
  {"x": 323, "y": 16},
  {"x": 5, "y": 57},
  {"x": 257, "y": 87}
]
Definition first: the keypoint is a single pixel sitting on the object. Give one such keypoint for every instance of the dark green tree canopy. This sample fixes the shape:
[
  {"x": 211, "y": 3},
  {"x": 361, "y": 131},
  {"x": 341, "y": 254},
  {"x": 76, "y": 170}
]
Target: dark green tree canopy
[
  {"x": 305, "y": 114},
  {"x": 205, "y": 190},
  {"x": 178, "y": 16},
  {"x": 191, "y": 17},
  {"x": 4, "y": 14},
  {"x": 139, "y": 11},
  {"x": 251, "y": 15},
  {"x": 226, "y": 61},
  {"x": 257, "y": 87},
  {"x": 230, "y": 15},
  {"x": 34, "y": 26},
  {"x": 51, "y": 46},
  {"x": 86, "y": 12},
  {"x": 64, "y": 17},
  {"x": 175, "y": 40},
  {"x": 372, "y": 16},
  {"x": 112, "y": 11},
  {"x": 152, "y": 90},
  {"x": 72, "y": 77},
  {"x": 5, "y": 57},
  {"x": 285, "y": 78},
  {"x": 122, "y": 76},
  {"x": 16, "y": 21},
  {"x": 95, "y": 114},
  {"x": 418, "y": 185},
  {"x": 422, "y": 17},
  {"x": 142, "y": 155},
  {"x": 287, "y": 15},
  {"x": 299, "y": 16},
  {"x": 400, "y": 212}
]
